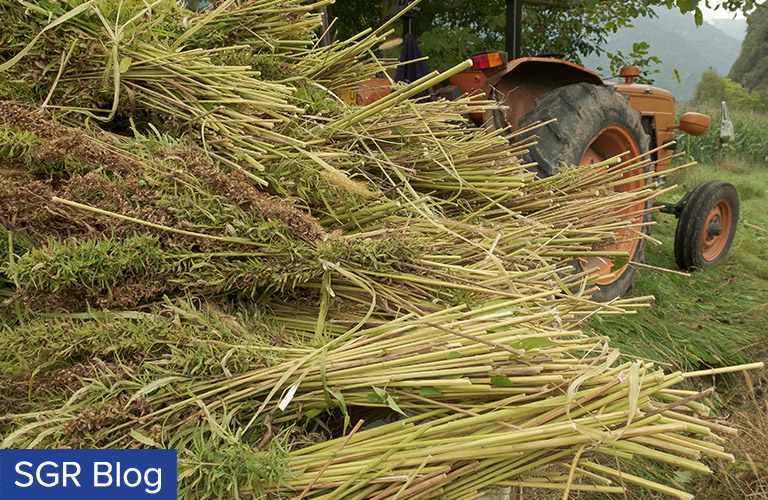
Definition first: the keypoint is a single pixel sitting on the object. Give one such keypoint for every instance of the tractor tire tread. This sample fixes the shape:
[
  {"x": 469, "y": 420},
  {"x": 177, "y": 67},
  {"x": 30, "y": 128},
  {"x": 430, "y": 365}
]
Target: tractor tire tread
[
  {"x": 690, "y": 226},
  {"x": 582, "y": 110}
]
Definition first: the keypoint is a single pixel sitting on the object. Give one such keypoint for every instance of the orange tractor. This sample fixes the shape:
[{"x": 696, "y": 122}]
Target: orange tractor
[{"x": 596, "y": 120}]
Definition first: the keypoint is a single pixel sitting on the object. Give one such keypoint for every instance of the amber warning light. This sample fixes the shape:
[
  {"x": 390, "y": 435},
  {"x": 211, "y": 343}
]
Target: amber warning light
[{"x": 489, "y": 60}]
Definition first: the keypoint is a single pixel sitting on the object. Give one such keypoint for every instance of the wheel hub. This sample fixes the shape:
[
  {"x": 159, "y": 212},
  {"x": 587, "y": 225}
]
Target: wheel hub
[{"x": 714, "y": 228}]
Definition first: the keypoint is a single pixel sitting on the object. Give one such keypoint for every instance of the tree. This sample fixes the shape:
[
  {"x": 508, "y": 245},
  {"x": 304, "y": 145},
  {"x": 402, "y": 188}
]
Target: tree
[
  {"x": 452, "y": 30},
  {"x": 751, "y": 68},
  {"x": 710, "y": 89},
  {"x": 713, "y": 88}
]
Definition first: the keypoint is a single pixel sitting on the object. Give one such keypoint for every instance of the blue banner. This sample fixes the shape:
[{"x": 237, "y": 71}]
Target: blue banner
[{"x": 87, "y": 474}]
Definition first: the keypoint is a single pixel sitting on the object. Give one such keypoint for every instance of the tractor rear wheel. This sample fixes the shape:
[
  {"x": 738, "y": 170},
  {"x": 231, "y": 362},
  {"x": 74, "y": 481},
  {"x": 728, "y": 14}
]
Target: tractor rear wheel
[
  {"x": 706, "y": 226},
  {"x": 594, "y": 123}
]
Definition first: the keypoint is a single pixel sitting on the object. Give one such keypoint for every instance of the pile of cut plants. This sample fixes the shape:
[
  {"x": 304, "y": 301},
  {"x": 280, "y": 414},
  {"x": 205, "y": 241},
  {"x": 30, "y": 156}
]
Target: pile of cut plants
[{"x": 204, "y": 248}]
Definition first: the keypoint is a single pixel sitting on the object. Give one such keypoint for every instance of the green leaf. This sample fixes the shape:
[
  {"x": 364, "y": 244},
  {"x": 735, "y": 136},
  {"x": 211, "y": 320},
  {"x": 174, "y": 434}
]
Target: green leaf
[
  {"x": 500, "y": 381},
  {"x": 322, "y": 424},
  {"x": 145, "y": 440},
  {"x": 66, "y": 17},
  {"x": 533, "y": 343},
  {"x": 153, "y": 386},
  {"x": 687, "y": 5},
  {"x": 391, "y": 403},
  {"x": 374, "y": 398},
  {"x": 699, "y": 17},
  {"x": 429, "y": 391},
  {"x": 704, "y": 356},
  {"x": 452, "y": 377},
  {"x": 618, "y": 263},
  {"x": 339, "y": 398},
  {"x": 125, "y": 64},
  {"x": 387, "y": 400},
  {"x": 310, "y": 414},
  {"x": 453, "y": 355},
  {"x": 683, "y": 477},
  {"x": 381, "y": 393}
]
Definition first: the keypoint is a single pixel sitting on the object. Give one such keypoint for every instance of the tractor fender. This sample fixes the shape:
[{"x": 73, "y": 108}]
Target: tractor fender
[{"x": 517, "y": 84}]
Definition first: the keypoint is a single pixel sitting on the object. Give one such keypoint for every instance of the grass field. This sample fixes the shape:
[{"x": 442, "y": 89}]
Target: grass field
[{"x": 714, "y": 317}]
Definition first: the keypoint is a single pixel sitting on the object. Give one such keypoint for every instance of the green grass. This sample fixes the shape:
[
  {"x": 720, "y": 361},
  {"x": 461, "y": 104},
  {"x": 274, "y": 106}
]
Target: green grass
[
  {"x": 718, "y": 316},
  {"x": 715, "y": 317},
  {"x": 712, "y": 317}
]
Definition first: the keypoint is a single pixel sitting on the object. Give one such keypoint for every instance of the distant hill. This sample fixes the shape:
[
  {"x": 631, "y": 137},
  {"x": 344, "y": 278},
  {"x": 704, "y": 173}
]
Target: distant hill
[
  {"x": 751, "y": 68},
  {"x": 680, "y": 44},
  {"x": 734, "y": 28}
]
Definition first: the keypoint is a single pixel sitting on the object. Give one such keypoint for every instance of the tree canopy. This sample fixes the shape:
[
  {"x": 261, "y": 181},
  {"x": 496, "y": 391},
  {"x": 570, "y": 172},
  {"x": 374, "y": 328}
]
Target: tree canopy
[
  {"x": 751, "y": 68},
  {"x": 452, "y": 30},
  {"x": 713, "y": 89}
]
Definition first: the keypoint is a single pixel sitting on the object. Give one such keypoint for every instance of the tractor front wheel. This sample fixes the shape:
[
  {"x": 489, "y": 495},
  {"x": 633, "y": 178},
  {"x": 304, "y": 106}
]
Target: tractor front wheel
[
  {"x": 594, "y": 123},
  {"x": 706, "y": 226}
]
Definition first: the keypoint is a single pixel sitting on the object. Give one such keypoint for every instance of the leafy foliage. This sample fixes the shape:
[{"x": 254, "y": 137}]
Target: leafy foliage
[
  {"x": 713, "y": 89},
  {"x": 451, "y": 31},
  {"x": 751, "y": 68},
  {"x": 62, "y": 266},
  {"x": 638, "y": 57}
]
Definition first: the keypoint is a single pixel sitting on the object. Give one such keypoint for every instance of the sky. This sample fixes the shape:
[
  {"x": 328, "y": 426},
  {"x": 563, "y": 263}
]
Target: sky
[{"x": 710, "y": 14}]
